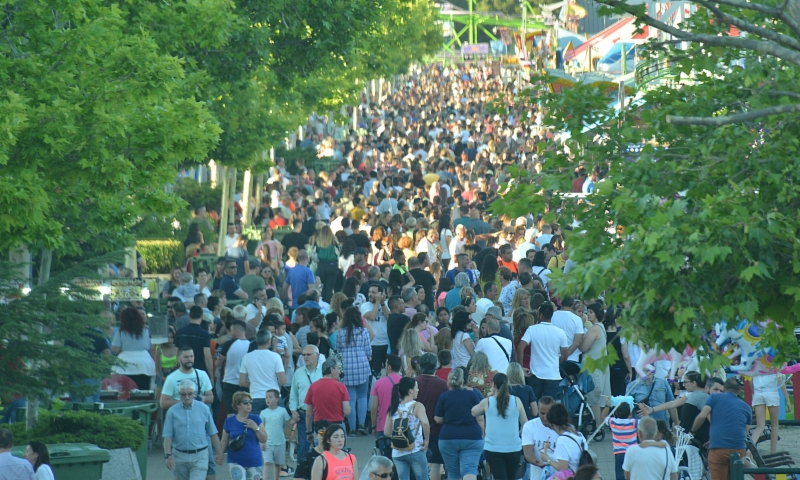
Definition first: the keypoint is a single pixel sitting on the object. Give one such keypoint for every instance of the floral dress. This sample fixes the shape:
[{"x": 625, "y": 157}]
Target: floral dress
[{"x": 481, "y": 381}]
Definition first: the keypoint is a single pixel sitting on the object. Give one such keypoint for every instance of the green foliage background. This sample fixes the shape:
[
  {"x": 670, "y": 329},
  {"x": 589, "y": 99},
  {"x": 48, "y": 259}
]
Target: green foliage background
[
  {"x": 161, "y": 255},
  {"x": 107, "y": 431}
]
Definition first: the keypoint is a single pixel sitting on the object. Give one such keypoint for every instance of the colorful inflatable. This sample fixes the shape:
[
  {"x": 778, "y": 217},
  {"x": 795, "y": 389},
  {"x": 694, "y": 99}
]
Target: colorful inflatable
[{"x": 753, "y": 358}]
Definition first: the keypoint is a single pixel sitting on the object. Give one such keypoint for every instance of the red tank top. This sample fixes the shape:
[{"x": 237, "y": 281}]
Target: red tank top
[{"x": 339, "y": 469}]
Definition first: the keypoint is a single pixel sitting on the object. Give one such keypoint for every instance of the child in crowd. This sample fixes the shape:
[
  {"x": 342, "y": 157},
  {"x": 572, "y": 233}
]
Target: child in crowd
[
  {"x": 623, "y": 434},
  {"x": 445, "y": 364},
  {"x": 275, "y": 418}
]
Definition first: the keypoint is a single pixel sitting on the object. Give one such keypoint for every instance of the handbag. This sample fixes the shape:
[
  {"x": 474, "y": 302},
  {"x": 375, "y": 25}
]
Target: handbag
[{"x": 237, "y": 442}]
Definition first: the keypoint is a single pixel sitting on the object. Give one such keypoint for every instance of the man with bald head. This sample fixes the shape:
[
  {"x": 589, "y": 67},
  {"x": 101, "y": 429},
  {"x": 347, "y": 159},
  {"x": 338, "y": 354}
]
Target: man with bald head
[{"x": 301, "y": 382}]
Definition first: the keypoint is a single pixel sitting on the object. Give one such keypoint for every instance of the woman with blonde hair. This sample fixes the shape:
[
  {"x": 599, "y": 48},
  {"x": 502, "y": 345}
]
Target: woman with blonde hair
[
  {"x": 517, "y": 387},
  {"x": 419, "y": 322},
  {"x": 480, "y": 373},
  {"x": 325, "y": 253},
  {"x": 336, "y": 303},
  {"x": 410, "y": 347},
  {"x": 521, "y": 299},
  {"x": 291, "y": 262}
]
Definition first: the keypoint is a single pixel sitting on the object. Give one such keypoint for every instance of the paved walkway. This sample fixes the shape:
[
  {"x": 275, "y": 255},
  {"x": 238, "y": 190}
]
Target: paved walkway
[{"x": 362, "y": 447}]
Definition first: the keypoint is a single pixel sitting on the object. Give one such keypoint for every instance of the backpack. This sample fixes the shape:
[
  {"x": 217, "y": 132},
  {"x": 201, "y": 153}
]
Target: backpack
[
  {"x": 328, "y": 254},
  {"x": 402, "y": 436},
  {"x": 586, "y": 456},
  {"x": 549, "y": 473}
]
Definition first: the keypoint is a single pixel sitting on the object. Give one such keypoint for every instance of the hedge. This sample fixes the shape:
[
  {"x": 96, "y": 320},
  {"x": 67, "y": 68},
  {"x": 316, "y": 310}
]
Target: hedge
[
  {"x": 161, "y": 255},
  {"x": 106, "y": 431}
]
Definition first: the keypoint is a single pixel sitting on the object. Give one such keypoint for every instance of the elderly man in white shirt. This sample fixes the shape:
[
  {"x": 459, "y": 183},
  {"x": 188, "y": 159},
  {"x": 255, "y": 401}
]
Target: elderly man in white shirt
[{"x": 499, "y": 350}]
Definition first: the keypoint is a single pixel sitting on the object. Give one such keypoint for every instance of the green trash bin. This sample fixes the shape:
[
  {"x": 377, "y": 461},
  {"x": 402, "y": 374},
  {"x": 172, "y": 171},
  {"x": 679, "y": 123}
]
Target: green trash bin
[
  {"x": 74, "y": 461},
  {"x": 141, "y": 411}
]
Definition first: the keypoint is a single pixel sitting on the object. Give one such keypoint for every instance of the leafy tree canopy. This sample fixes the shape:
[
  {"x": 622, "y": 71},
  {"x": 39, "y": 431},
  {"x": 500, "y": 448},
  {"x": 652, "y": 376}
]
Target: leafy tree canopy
[{"x": 702, "y": 225}]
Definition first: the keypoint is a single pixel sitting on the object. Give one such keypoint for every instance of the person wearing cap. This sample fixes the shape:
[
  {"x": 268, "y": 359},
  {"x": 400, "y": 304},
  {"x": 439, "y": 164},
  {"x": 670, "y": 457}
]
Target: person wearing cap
[
  {"x": 359, "y": 263},
  {"x": 306, "y": 460},
  {"x": 654, "y": 391}
]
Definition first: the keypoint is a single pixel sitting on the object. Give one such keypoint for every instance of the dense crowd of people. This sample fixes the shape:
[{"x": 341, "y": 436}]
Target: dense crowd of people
[{"x": 400, "y": 305}]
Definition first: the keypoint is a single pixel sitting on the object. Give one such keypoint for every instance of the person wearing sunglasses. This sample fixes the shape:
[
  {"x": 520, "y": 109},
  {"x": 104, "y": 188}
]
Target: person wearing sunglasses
[
  {"x": 378, "y": 468},
  {"x": 248, "y": 459},
  {"x": 306, "y": 461}
]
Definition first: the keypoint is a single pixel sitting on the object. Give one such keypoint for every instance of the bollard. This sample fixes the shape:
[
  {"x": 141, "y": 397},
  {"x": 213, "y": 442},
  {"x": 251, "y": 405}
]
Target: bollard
[{"x": 737, "y": 467}]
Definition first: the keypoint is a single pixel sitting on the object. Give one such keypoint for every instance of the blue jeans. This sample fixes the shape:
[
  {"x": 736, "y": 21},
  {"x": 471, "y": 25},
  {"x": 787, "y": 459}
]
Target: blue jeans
[
  {"x": 618, "y": 460},
  {"x": 94, "y": 398},
  {"x": 416, "y": 462},
  {"x": 461, "y": 457},
  {"x": 302, "y": 436},
  {"x": 358, "y": 397},
  {"x": 10, "y": 410},
  {"x": 259, "y": 405},
  {"x": 543, "y": 387}
]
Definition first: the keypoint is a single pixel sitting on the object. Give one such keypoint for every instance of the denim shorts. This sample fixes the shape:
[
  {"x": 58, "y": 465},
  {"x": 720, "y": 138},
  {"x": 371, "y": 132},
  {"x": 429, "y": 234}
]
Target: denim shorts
[{"x": 461, "y": 457}]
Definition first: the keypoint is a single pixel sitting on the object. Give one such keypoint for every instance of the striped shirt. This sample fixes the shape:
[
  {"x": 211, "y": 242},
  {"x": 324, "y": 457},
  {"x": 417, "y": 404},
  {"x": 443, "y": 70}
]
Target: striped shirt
[{"x": 623, "y": 433}]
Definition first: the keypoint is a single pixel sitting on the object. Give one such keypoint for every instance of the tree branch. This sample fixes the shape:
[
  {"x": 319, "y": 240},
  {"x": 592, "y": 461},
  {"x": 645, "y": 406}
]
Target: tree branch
[
  {"x": 783, "y": 93},
  {"x": 730, "y": 119},
  {"x": 749, "y": 27},
  {"x": 767, "y": 47}
]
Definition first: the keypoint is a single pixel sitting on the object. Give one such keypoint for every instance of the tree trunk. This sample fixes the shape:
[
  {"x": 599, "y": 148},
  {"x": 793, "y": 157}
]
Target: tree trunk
[
  {"x": 246, "y": 193},
  {"x": 223, "y": 212},
  {"x": 32, "y": 407}
]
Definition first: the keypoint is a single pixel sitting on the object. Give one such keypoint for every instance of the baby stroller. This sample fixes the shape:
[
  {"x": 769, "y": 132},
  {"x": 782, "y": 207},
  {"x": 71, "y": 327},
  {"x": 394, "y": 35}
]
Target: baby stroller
[{"x": 572, "y": 391}]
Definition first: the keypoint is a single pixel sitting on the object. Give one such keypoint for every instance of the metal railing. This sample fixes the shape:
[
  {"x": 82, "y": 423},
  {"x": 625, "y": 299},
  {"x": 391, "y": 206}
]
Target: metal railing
[
  {"x": 651, "y": 70},
  {"x": 738, "y": 470}
]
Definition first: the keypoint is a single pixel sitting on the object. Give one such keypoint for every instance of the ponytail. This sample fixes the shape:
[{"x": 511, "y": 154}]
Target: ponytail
[
  {"x": 399, "y": 391},
  {"x": 501, "y": 393},
  {"x": 395, "y": 399}
]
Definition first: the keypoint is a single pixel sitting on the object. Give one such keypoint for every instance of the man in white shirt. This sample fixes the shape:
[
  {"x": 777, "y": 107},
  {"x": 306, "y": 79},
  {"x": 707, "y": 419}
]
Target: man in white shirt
[
  {"x": 536, "y": 434},
  {"x": 231, "y": 237},
  {"x": 497, "y": 348},
  {"x": 549, "y": 347},
  {"x": 649, "y": 460},
  {"x": 262, "y": 370},
  {"x": 572, "y": 326},
  {"x": 376, "y": 311},
  {"x": 232, "y": 354}
]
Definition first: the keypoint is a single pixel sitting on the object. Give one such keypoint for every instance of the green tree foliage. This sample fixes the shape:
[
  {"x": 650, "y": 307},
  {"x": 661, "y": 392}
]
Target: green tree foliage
[
  {"x": 709, "y": 207},
  {"x": 34, "y": 328},
  {"x": 107, "y": 431},
  {"x": 94, "y": 123}
]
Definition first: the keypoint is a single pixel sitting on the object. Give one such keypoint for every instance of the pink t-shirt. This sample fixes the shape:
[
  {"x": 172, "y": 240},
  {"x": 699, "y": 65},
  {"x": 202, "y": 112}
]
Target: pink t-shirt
[{"x": 383, "y": 390}]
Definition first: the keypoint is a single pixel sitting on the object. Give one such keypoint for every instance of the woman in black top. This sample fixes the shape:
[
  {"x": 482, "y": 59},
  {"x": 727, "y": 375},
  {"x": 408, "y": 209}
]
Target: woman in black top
[{"x": 620, "y": 370}]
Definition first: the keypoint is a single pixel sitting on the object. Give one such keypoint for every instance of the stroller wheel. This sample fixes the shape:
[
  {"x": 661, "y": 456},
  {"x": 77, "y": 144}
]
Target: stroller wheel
[{"x": 601, "y": 435}]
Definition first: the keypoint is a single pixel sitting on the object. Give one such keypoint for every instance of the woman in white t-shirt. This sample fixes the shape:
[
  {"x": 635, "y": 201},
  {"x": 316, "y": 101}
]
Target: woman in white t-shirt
[
  {"x": 570, "y": 443},
  {"x": 445, "y": 236},
  {"x": 463, "y": 346},
  {"x": 766, "y": 396}
]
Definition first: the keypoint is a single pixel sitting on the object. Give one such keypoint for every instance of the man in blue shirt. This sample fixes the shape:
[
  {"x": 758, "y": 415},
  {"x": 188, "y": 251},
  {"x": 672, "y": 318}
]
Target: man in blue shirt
[
  {"x": 728, "y": 425},
  {"x": 228, "y": 283},
  {"x": 12, "y": 467},
  {"x": 187, "y": 428},
  {"x": 462, "y": 264},
  {"x": 300, "y": 278},
  {"x": 654, "y": 391}
]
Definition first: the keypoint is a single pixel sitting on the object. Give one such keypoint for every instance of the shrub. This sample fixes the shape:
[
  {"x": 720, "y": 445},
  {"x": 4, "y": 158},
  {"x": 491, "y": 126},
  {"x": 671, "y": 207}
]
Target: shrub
[
  {"x": 197, "y": 194},
  {"x": 107, "y": 431},
  {"x": 161, "y": 255}
]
